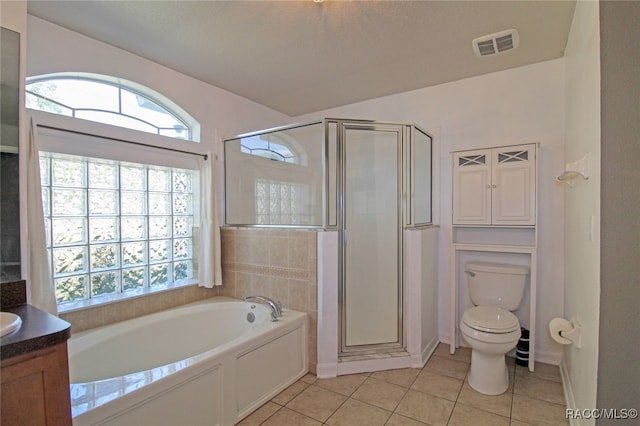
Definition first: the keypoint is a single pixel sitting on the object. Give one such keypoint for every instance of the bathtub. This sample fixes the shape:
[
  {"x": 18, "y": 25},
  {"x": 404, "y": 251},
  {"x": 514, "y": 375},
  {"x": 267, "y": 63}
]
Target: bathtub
[{"x": 200, "y": 364}]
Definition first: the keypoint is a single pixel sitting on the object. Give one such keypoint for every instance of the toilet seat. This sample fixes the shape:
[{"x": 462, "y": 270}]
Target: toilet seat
[{"x": 490, "y": 320}]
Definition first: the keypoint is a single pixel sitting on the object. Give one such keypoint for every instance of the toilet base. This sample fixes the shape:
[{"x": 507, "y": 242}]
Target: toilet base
[{"x": 488, "y": 373}]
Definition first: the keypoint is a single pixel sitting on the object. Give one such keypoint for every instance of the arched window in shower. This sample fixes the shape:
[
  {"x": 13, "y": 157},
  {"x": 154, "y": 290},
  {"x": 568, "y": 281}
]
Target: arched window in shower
[
  {"x": 275, "y": 177},
  {"x": 275, "y": 147}
]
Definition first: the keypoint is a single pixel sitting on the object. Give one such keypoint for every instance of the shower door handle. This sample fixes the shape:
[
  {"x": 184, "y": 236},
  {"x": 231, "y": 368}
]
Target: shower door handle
[{"x": 344, "y": 237}]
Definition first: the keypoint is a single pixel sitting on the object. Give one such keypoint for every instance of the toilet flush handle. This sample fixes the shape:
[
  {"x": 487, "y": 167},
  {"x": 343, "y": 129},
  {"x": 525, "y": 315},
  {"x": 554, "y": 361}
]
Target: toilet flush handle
[{"x": 471, "y": 273}]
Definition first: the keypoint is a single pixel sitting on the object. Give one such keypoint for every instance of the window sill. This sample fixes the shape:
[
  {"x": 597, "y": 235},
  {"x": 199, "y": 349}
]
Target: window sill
[{"x": 119, "y": 297}]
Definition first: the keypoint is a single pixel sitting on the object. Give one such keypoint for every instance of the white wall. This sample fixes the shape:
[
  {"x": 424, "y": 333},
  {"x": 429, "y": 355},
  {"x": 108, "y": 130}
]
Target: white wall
[
  {"x": 516, "y": 106},
  {"x": 582, "y": 202},
  {"x": 55, "y": 49}
]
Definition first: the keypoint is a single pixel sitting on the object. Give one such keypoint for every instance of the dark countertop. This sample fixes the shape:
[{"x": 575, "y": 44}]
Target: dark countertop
[{"x": 39, "y": 330}]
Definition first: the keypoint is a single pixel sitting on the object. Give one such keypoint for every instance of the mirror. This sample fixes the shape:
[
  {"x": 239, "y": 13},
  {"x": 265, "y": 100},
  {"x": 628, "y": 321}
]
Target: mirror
[{"x": 9, "y": 186}]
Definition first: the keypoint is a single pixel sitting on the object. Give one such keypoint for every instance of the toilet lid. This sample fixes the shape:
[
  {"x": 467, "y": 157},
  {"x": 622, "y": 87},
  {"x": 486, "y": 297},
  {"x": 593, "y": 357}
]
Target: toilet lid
[{"x": 490, "y": 320}]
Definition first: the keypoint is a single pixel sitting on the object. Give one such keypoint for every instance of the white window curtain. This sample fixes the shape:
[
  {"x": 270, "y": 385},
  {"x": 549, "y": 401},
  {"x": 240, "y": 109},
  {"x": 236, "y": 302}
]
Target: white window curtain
[
  {"x": 41, "y": 288},
  {"x": 209, "y": 260},
  {"x": 79, "y": 137}
]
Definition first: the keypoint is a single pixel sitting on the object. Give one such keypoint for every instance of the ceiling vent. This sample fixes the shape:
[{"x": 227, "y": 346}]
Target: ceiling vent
[{"x": 496, "y": 43}]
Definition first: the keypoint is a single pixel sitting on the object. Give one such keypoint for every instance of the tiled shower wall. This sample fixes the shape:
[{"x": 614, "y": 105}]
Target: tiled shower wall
[{"x": 277, "y": 263}]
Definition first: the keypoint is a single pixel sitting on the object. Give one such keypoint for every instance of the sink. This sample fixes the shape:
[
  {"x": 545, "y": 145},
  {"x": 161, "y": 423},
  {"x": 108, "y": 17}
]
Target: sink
[{"x": 9, "y": 322}]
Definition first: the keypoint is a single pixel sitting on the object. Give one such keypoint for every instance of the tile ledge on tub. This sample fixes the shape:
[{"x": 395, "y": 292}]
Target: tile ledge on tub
[{"x": 119, "y": 297}]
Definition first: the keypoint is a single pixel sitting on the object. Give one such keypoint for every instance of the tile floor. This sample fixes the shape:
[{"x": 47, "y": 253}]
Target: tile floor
[{"x": 434, "y": 395}]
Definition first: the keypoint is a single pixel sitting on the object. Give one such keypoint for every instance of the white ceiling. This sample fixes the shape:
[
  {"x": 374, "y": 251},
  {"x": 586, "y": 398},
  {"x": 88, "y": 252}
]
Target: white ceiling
[{"x": 299, "y": 56}]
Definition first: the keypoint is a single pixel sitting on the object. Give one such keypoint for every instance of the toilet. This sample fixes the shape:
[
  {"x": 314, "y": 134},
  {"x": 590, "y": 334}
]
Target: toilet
[{"x": 489, "y": 327}]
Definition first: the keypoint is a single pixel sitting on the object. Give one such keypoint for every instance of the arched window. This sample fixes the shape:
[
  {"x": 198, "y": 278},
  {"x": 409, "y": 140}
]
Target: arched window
[
  {"x": 278, "y": 147},
  {"x": 120, "y": 207},
  {"x": 111, "y": 101}
]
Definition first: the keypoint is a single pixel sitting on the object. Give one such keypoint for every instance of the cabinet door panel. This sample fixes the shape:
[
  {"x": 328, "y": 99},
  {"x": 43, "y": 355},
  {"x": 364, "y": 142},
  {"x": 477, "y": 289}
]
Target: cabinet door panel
[
  {"x": 35, "y": 388},
  {"x": 472, "y": 188},
  {"x": 513, "y": 182}
]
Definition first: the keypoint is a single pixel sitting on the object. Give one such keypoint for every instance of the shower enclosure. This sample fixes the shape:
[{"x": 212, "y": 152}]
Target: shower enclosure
[{"x": 368, "y": 181}]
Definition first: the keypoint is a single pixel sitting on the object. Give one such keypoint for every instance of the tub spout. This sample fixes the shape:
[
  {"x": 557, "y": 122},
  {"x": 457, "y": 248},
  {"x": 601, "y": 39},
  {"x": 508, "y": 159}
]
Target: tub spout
[{"x": 276, "y": 307}]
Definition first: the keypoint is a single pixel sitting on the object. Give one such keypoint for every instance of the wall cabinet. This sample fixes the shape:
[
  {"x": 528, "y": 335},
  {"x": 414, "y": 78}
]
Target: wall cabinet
[
  {"x": 495, "y": 186},
  {"x": 35, "y": 388}
]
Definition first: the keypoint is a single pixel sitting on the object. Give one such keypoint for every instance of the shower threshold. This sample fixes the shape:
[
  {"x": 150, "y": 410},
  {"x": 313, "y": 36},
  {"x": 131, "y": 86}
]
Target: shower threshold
[{"x": 367, "y": 357}]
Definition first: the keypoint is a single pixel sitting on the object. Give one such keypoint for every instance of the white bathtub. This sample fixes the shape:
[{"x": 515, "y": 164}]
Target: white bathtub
[{"x": 199, "y": 364}]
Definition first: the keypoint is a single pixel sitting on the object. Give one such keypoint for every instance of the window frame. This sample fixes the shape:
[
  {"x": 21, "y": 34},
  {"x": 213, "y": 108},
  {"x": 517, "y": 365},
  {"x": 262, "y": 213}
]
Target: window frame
[
  {"x": 121, "y": 151},
  {"x": 191, "y": 125}
]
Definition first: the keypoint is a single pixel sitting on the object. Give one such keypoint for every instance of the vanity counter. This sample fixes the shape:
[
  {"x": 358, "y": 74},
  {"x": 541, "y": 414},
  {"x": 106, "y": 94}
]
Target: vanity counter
[{"x": 39, "y": 329}]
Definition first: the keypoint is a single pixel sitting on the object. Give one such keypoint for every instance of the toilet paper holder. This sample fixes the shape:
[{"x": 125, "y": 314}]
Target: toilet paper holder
[{"x": 566, "y": 332}]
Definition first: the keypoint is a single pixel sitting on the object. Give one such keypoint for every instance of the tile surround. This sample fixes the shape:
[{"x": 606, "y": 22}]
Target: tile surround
[
  {"x": 278, "y": 263},
  {"x": 97, "y": 316},
  {"x": 273, "y": 262},
  {"x": 433, "y": 395}
]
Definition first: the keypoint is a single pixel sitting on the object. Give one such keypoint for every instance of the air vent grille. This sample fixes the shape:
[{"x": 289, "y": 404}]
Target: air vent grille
[
  {"x": 486, "y": 47},
  {"x": 496, "y": 43},
  {"x": 504, "y": 43}
]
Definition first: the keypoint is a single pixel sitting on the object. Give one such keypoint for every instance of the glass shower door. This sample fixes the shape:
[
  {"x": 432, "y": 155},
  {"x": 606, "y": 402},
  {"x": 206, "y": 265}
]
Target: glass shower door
[{"x": 371, "y": 243}]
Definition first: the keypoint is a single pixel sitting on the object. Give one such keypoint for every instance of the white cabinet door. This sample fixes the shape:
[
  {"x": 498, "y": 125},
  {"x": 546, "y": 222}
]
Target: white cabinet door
[
  {"x": 513, "y": 185},
  {"x": 495, "y": 186},
  {"x": 472, "y": 187}
]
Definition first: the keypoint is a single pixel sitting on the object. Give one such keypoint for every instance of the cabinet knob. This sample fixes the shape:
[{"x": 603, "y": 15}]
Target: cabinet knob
[
  {"x": 488, "y": 186},
  {"x": 493, "y": 186}
]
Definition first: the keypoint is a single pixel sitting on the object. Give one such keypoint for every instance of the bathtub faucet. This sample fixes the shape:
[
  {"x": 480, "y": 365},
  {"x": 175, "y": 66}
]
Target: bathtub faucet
[{"x": 276, "y": 307}]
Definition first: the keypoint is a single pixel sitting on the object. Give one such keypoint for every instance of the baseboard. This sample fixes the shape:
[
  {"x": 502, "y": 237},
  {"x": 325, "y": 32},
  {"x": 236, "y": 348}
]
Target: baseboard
[
  {"x": 326, "y": 370},
  {"x": 567, "y": 388},
  {"x": 548, "y": 357}
]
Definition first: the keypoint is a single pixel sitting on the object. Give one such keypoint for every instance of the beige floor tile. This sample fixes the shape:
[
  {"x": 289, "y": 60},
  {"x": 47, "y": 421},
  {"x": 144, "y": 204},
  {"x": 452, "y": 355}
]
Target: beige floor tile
[
  {"x": 545, "y": 390},
  {"x": 462, "y": 354},
  {"x": 398, "y": 420},
  {"x": 356, "y": 413},
  {"x": 497, "y": 404},
  {"x": 425, "y": 408},
  {"x": 447, "y": 367},
  {"x": 537, "y": 412},
  {"x": 316, "y": 402},
  {"x": 286, "y": 417},
  {"x": 344, "y": 385},
  {"x": 402, "y": 377},
  {"x": 519, "y": 423},
  {"x": 260, "y": 415},
  {"x": 438, "y": 385},
  {"x": 464, "y": 415},
  {"x": 289, "y": 393},
  {"x": 379, "y": 393},
  {"x": 541, "y": 371}
]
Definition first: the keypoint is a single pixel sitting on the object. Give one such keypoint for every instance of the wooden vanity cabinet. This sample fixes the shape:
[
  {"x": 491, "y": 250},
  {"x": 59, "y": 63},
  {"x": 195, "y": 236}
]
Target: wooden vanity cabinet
[{"x": 35, "y": 388}]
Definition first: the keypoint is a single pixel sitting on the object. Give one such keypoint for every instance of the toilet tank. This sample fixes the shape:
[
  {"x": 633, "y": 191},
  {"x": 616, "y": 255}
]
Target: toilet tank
[{"x": 496, "y": 284}]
